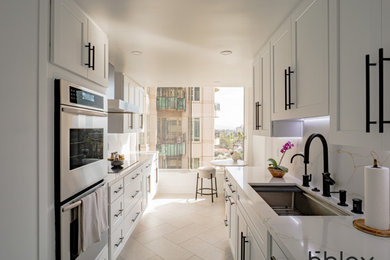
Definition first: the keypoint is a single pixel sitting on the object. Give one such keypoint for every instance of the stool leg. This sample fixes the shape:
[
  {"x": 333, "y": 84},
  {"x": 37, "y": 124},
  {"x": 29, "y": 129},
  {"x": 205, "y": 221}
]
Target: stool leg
[
  {"x": 212, "y": 191},
  {"x": 216, "y": 187},
  {"x": 196, "y": 191},
  {"x": 201, "y": 186}
]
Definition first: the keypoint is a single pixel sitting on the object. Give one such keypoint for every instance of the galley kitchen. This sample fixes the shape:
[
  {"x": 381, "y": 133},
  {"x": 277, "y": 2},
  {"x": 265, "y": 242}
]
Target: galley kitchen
[{"x": 183, "y": 129}]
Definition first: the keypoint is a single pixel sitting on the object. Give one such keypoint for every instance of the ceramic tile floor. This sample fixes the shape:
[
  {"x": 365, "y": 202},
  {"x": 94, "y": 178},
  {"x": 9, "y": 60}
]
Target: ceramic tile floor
[{"x": 178, "y": 227}]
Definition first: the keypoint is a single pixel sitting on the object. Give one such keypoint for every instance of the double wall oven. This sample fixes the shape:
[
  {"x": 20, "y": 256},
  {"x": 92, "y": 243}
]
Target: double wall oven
[{"x": 80, "y": 162}]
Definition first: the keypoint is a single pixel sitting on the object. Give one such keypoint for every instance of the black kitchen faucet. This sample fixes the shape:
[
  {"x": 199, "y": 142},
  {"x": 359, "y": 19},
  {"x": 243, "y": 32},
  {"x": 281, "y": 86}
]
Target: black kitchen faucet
[{"x": 327, "y": 181}]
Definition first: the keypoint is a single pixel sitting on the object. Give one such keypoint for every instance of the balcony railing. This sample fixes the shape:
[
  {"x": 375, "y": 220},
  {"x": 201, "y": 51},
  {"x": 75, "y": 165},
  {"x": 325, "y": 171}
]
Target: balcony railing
[
  {"x": 171, "y": 103},
  {"x": 171, "y": 149}
]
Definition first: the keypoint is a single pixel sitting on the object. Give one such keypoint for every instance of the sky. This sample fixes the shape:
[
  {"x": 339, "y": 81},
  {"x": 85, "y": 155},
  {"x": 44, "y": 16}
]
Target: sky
[{"x": 232, "y": 108}]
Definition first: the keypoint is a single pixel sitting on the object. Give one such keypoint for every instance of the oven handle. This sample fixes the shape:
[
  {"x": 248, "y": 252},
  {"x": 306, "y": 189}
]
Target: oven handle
[
  {"x": 80, "y": 111},
  {"x": 71, "y": 206}
]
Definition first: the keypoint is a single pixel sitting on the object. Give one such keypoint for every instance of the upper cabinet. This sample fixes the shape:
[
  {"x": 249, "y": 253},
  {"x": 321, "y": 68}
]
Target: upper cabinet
[
  {"x": 309, "y": 75},
  {"x": 78, "y": 44},
  {"x": 126, "y": 110},
  {"x": 359, "y": 104},
  {"x": 262, "y": 92},
  {"x": 281, "y": 65},
  {"x": 262, "y": 101},
  {"x": 299, "y": 53}
]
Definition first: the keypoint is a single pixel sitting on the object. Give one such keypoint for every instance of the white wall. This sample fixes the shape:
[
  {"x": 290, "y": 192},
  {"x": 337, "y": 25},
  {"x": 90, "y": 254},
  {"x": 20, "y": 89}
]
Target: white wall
[{"x": 19, "y": 129}]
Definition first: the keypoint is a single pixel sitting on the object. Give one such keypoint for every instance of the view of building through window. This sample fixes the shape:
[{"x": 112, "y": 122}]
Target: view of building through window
[{"x": 192, "y": 126}]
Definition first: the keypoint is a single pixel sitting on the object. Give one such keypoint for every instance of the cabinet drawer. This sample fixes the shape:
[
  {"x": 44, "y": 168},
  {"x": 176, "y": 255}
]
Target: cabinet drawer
[
  {"x": 116, "y": 190},
  {"x": 132, "y": 218},
  {"x": 116, "y": 212},
  {"x": 116, "y": 241},
  {"x": 130, "y": 201},
  {"x": 132, "y": 177}
]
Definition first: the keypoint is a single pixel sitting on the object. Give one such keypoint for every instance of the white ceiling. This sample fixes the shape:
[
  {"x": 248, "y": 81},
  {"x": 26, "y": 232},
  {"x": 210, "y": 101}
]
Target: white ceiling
[{"x": 181, "y": 40}]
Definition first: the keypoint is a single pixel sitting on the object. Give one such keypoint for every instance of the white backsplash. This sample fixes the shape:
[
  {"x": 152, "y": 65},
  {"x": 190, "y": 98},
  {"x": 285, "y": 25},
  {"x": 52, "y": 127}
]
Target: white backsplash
[
  {"x": 346, "y": 163},
  {"x": 122, "y": 143}
]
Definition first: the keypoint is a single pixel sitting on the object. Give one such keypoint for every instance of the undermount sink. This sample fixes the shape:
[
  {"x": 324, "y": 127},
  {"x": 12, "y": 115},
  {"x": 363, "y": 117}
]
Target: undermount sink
[{"x": 293, "y": 201}]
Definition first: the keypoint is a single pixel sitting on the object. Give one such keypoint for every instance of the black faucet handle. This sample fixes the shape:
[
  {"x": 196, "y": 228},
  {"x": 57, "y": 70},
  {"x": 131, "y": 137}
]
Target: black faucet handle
[{"x": 328, "y": 179}]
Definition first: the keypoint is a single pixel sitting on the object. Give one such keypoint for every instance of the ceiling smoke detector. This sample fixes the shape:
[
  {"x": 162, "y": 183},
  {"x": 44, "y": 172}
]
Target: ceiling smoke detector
[
  {"x": 226, "y": 52},
  {"x": 136, "y": 52}
]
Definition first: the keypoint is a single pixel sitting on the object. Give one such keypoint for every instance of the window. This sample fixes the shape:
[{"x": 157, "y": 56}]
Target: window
[
  {"x": 195, "y": 94},
  {"x": 196, "y": 129},
  {"x": 195, "y": 163},
  {"x": 189, "y": 131},
  {"x": 229, "y": 122}
]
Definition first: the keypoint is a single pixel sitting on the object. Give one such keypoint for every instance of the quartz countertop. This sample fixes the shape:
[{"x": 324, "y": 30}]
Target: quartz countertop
[
  {"x": 143, "y": 157},
  {"x": 297, "y": 235}
]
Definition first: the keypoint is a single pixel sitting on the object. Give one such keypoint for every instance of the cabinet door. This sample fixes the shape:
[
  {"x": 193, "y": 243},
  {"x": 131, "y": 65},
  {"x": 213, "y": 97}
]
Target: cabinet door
[
  {"x": 243, "y": 244},
  {"x": 141, "y": 100},
  {"x": 386, "y": 72},
  {"x": 69, "y": 37},
  {"x": 227, "y": 215},
  {"x": 99, "y": 56},
  {"x": 254, "y": 252},
  {"x": 281, "y": 60},
  {"x": 132, "y": 92},
  {"x": 309, "y": 82},
  {"x": 354, "y": 32},
  {"x": 234, "y": 238},
  {"x": 256, "y": 96},
  {"x": 265, "y": 91}
]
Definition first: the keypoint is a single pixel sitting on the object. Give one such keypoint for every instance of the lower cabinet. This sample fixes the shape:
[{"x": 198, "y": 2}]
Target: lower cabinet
[
  {"x": 127, "y": 197},
  {"x": 248, "y": 248}
]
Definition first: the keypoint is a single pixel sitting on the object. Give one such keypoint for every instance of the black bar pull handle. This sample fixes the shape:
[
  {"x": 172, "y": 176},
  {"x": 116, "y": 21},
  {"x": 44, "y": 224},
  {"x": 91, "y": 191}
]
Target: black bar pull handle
[
  {"x": 381, "y": 98},
  {"x": 258, "y": 105},
  {"x": 289, "y": 87},
  {"x": 285, "y": 90},
  {"x": 89, "y": 55},
  {"x": 93, "y": 58},
  {"x": 368, "y": 121},
  {"x": 243, "y": 241}
]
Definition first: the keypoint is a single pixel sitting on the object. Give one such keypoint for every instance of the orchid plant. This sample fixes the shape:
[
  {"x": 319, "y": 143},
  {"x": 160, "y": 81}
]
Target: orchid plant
[{"x": 287, "y": 146}]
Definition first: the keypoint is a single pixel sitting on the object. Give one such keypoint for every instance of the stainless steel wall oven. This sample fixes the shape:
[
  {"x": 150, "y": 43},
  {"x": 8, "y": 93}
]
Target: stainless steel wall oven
[{"x": 80, "y": 160}]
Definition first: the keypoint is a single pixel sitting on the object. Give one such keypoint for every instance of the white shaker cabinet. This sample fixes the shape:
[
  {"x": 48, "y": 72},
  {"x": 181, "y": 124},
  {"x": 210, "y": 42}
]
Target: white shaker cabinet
[
  {"x": 309, "y": 79},
  {"x": 69, "y": 36},
  {"x": 262, "y": 92},
  {"x": 77, "y": 43},
  {"x": 299, "y": 60},
  {"x": 280, "y": 63},
  {"x": 99, "y": 54},
  {"x": 355, "y": 32},
  {"x": 385, "y": 97},
  {"x": 248, "y": 249}
]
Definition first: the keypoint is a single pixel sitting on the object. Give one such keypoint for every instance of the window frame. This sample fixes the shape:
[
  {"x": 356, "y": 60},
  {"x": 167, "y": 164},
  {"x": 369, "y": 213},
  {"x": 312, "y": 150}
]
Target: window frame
[
  {"x": 193, "y": 94},
  {"x": 193, "y": 130}
]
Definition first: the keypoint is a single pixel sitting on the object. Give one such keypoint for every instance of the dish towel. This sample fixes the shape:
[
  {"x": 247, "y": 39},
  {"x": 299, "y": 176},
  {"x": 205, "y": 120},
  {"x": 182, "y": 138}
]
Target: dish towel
[
  {"x": 89, "y": 221},
  {"x": 102, "y": 206}
]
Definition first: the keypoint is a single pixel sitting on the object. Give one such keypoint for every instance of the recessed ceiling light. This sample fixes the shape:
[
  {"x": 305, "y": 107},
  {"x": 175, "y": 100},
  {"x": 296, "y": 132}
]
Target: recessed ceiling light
[
  {"x": 136, "y": 52},
  {"x": 226, "y": 52}
]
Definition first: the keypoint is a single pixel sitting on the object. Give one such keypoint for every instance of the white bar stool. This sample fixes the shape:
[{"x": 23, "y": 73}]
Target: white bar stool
[{"x": 206, "y": 173}]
